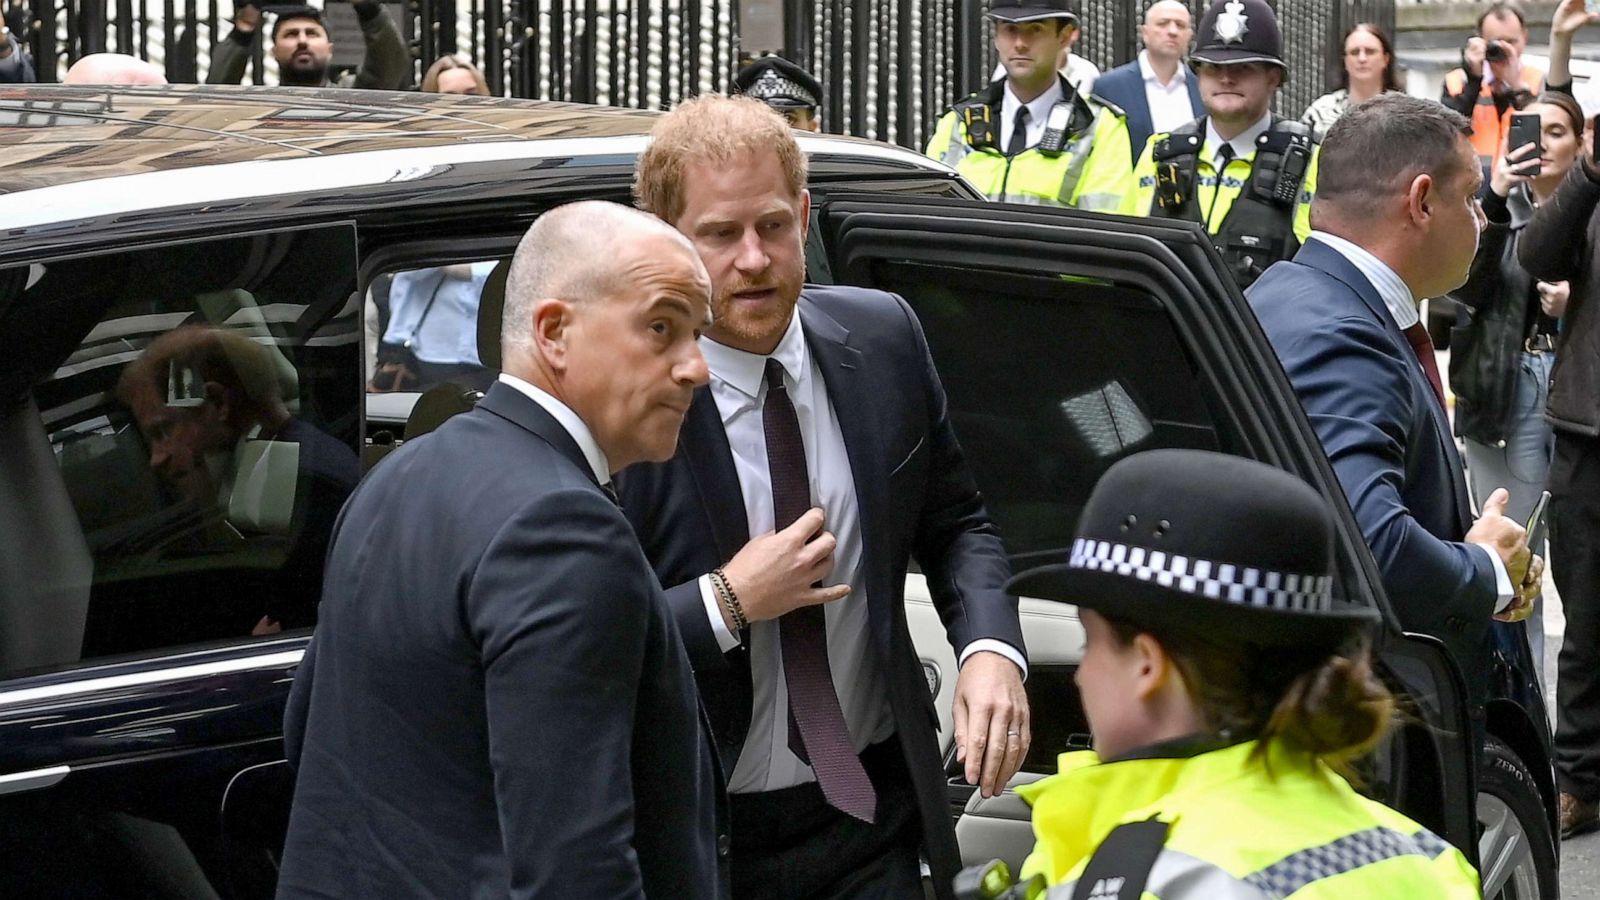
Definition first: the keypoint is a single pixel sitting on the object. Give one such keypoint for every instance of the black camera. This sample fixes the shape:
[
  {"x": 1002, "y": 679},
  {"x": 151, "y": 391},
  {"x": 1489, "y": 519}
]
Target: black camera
[{"x": 1496, "y": 52}]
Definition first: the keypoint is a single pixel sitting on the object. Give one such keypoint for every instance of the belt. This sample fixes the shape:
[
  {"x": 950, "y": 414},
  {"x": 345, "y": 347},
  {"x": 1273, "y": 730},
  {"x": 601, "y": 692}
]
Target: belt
[{"x": 1543, "y": 342}]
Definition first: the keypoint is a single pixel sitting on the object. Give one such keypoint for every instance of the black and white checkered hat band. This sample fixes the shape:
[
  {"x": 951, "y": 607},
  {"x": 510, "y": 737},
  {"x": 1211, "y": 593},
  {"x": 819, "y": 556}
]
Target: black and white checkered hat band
[
  {"x": 1218, "y": 581},
  {"x": 772, "y": 86}
]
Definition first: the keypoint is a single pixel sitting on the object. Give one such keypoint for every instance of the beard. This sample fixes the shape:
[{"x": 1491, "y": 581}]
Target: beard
[
  {"x": 306, "y": 74},
  {"x": 760, "y": 324}
]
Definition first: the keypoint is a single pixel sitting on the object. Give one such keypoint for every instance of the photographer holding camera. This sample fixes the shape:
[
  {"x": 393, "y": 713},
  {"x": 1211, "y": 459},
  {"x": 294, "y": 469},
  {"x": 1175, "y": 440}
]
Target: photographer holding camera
[
  {"x": 1492, "y": 80},
  {"x": 1559, "y": 244},
  {"x": 304, "y": 51}
]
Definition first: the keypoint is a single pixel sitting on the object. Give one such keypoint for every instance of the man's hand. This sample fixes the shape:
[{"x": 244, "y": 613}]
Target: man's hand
[
  {"x": 247, "y": 18},
  {"x": 992, "y": 725},
  {"x": 1472, "y": 56},
  {"x": 1527, "y": 592},
  {"x": 1553, "y": 297},
  {"x": 780, "y": 571},
  {"x": 1504, "y": 537}
]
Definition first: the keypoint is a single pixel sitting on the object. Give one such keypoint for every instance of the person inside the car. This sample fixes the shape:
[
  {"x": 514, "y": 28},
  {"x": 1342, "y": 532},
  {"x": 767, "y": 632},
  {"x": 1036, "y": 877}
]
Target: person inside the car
[
  {"x": 210, "y": 405},
  {"x": 1228, "y": 693}
]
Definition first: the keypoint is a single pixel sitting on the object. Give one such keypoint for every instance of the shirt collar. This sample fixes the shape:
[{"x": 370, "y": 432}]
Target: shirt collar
[
  {"x": 1148, "y": 71},
  {"x": 745, "y": 371},
  {"x": 569, "y": 420},
  {"x": 1397, "y": 297},
  {"x": 1038, "y": 107},
  {"x": 1244, "y": 144}
]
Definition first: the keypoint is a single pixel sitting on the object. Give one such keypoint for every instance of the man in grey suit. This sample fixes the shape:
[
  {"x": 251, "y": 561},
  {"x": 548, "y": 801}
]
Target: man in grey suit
[{"x": 496, "y": 702}]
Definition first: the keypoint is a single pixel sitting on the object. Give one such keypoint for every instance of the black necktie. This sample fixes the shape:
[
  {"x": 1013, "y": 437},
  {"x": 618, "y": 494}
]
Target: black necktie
[
  {"x": 1019, "y": 133},
  {"x": 817, "y": 731},
  {"x": 1224, "y": 156},
  {"x": 610, "y": 488}
]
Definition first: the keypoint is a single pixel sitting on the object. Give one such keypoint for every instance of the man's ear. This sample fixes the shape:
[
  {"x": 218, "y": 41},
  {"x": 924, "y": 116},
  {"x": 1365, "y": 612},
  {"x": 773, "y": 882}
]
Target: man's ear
[
  {"x": 805, "y": 214},
  {"x": 1420, "y": 198},
  {"x": 552, "y": 325},
  {"x": 216, "y": 407}
]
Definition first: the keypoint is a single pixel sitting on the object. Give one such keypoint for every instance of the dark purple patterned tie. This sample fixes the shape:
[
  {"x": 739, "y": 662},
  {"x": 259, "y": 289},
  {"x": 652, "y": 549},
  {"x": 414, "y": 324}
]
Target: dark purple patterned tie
[{"x": 823, "y": 739}]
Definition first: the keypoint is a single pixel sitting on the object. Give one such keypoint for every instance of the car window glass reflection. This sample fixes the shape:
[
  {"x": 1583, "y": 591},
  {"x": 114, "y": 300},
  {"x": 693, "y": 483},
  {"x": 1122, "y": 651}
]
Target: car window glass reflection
[{"x": 422, "y": 328}]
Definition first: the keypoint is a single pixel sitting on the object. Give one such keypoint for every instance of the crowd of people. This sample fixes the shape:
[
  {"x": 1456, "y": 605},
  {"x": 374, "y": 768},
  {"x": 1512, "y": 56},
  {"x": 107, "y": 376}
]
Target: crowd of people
[{"x": 709, "y": 440}]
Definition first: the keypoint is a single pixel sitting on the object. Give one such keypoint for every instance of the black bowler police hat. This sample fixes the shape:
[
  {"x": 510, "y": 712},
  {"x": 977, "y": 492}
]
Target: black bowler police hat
[
  {"x": 1239, "y": 31},
  {"x": 778, "y": 83},
  {"x": 1205, "y": 543},
  {"x": 1032, "y": 10}
]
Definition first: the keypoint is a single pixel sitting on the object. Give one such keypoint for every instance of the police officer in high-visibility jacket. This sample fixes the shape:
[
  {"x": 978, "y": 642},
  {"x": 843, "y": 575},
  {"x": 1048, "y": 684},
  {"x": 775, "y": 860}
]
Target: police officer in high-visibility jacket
[
  {"x": 1244, "y": 173},
  {"x": 1229, "y": 694},
  {"x": 1031, "y": 137}
]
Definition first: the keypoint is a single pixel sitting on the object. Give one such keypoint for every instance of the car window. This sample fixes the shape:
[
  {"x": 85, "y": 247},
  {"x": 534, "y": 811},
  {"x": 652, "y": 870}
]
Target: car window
[
  {"x": 421, "y": 327},
  {"x": 1049, "y": 382},
  {"x": 197, "y": 409}
]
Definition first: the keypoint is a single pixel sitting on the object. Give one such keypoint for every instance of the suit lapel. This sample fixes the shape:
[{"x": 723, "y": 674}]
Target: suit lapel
[
  {"x": 1326, "y": 259},
  {"x": 705, "y": 449},
  {"x": 848, "y": 391},
  {"x": 519, "y": 409}
]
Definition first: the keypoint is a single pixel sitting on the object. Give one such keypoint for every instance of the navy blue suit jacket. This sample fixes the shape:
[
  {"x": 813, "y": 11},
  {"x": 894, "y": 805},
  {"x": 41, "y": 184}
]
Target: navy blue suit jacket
[
  {"x": 1390, "y": 444},
  {"x": 915, "y": 497},
  {"x": 496, "y": 702},
  {"x": 1124, "y": 86}
]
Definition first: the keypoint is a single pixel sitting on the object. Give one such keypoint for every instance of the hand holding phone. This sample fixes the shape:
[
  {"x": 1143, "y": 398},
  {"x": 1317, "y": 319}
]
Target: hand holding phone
[{"x": 1526, "y": 128}]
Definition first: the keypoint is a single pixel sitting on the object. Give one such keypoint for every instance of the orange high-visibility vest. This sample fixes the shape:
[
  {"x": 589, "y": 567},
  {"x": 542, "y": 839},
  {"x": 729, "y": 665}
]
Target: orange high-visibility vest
[{"x": 1489, "y": 126}]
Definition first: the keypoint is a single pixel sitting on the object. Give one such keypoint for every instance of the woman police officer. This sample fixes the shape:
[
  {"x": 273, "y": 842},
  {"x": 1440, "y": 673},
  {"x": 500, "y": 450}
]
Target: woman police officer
[{"x": 1228, "y": 693}]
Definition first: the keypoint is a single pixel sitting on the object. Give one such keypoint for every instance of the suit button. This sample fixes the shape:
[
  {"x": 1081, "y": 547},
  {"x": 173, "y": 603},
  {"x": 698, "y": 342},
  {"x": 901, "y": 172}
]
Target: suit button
[{"x": 723, "y": 845}]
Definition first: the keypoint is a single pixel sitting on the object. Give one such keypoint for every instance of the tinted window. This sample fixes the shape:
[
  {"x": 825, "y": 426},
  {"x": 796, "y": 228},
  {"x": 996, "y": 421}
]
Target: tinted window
[
  {"x": 1050, "y": 381},
  {"x": 422, "y": 326},
  {"x": 189, "y": 430}
]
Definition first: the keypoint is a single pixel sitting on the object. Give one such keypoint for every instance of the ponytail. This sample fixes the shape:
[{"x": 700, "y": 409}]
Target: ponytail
[{"x": 1337, "y": 712}]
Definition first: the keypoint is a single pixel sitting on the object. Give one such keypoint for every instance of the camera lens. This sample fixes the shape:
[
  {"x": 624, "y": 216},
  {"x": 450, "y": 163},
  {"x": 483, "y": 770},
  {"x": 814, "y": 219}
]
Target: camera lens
[{"x": 1495, "y": 53}]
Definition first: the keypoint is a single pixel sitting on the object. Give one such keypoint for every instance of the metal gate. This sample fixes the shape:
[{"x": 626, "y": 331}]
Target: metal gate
[{"x": 889, "y": 67}]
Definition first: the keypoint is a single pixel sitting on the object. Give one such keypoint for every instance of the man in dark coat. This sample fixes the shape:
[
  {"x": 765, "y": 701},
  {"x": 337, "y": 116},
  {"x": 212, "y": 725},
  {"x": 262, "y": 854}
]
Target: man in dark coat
[
  {"x": 816, "y": 465},
  {"x": 496, "y": 702},
  {"x": 1396, "y": 220}
]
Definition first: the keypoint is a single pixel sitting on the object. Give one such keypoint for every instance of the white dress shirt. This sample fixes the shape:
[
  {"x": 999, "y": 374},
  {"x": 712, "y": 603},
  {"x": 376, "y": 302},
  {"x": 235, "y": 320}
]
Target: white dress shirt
[
  {"x": 1243, "y": 143},
  {"x": 569, "y": 420},
  {"x": 1169, "y": 103},
  {"x": 1397, "y": 299},
  {"x": 738, "y": 386},
  {"x": 1038, "y": 113}
]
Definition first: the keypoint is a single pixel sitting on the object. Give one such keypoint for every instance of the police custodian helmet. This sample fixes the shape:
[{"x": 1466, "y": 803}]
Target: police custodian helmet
[
  {"x": 1239, "y": 31},
  {"x": 1032, "y": 11}
]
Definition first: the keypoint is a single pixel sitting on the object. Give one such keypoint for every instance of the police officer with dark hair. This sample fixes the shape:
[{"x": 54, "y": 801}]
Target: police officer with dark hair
[
  {"x": 1244, "y": 173},
  {"x": 785, "y": 87},
  {"x": 1031, "y": 137}
]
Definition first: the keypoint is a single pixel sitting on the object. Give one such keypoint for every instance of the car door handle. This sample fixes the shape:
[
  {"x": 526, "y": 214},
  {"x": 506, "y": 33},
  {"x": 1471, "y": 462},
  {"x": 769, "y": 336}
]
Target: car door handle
[{"x": 21, "y": 782}]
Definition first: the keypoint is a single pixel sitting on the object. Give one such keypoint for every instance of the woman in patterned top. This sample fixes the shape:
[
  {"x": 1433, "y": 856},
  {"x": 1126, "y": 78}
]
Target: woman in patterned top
[{"x": 1369, "y": 70}]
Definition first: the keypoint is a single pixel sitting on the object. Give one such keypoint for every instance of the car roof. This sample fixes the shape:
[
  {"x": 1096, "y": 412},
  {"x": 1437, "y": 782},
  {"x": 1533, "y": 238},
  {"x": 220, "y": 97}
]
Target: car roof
[{"x": 60, "y": 134}]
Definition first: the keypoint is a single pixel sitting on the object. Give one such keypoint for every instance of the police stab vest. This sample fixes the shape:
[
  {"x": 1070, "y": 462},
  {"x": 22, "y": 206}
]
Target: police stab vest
[{"x": 1258, "y": 229}]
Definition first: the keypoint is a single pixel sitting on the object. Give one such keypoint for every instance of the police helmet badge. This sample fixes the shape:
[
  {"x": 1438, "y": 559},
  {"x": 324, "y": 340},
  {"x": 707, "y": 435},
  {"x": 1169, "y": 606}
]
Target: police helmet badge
[{"x": 1232, "y": 23}]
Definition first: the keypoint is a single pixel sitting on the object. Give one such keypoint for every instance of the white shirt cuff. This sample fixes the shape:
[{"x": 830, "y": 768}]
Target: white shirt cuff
[
  {"x": 995, "y": 646},
  {"x": 726, "y": 639},
  {"x": 1502, "y": 580}
]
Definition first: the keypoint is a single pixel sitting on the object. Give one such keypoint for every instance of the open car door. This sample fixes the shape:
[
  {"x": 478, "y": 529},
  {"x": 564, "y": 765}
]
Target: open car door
[{"x": 1066, "y": 341}]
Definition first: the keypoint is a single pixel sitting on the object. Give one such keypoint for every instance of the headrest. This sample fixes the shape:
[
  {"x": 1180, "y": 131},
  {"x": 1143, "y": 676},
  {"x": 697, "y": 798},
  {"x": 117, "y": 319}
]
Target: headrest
[{"x": 491, "y": 309}]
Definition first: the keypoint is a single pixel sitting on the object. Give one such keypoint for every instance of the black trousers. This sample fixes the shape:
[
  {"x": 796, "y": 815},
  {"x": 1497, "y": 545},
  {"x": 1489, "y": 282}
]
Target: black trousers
[
  {"x": 1575, "y": 563},
  {"x": 791, "y": 845}
]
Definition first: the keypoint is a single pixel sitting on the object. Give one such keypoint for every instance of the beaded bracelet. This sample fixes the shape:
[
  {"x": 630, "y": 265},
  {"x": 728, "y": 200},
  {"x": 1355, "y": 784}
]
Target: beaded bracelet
[{"x": 719, "y": 581}]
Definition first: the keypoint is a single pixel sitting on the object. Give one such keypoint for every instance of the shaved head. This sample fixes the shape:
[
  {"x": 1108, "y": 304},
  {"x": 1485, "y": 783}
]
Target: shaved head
[
  {"x": 575, "y": 253},
  {"x": 113, "y": 68}
]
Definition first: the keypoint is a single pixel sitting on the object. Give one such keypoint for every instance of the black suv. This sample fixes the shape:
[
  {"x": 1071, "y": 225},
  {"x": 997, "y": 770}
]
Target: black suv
[{"x": 152, "y": 611}]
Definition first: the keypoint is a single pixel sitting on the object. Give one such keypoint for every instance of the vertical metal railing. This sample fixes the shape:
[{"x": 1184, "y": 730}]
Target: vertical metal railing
[{"x": 889, "y": 68}]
